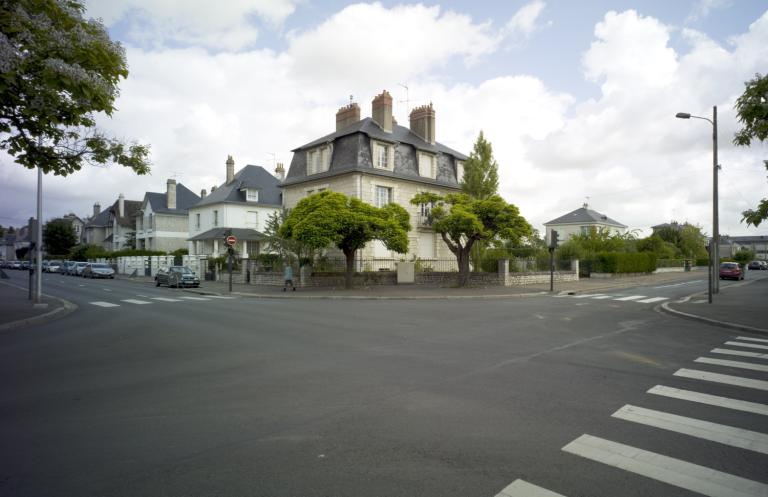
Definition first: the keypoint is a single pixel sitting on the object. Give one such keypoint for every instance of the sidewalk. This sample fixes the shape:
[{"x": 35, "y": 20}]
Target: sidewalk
[
  {"x": 432, "y": 292},
  {"x": 743, "y": 306},
  {"x": 16, "y": 309}
]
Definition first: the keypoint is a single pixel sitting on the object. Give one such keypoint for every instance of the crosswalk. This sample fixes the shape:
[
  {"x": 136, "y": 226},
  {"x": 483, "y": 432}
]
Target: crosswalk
[
  {"x": 640, "y": 299},
  {"x": 144, "y": 300},
  {"x": 682, "y": 474}
]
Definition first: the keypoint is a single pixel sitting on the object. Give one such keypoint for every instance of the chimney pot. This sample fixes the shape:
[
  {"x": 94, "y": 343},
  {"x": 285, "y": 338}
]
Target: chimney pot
[
  {"x": 230, "y": 169},
  {"x": 422, "y": 122},
  {"x": 280, "y": 171},
  {"x": 381, "y": 110},
  {"x": 347, "y": 115},
  {"x": 96, "y": 209},
  {"x": 170, "y": 194},
  {"x": 213, "y": 188},
  {"x": 203, "y": 193}
]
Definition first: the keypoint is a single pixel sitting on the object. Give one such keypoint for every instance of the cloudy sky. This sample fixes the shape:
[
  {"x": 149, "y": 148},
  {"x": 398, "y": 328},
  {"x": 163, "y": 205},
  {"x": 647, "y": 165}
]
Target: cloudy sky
[{"x": 577, "y": 98}]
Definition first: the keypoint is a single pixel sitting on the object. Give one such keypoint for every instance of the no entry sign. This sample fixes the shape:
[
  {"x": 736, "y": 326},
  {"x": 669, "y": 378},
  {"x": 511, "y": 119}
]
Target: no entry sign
[{"x": 231, "y": 240}]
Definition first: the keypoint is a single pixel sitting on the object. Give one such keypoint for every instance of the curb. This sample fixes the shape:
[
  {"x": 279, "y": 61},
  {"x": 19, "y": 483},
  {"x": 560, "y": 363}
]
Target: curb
[
  {"x": 369, "y": 297},
  {"x": 66, "y": 308}
]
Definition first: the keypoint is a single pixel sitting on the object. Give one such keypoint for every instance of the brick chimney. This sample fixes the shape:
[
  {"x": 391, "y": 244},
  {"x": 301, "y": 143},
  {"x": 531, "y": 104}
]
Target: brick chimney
[
  {"x": 347, "y": 115},
  {"x": 203, "y": 193},
  {"x": 170, "y": 194},
  {"x": 96, "y": 209},
  {"x": 381, "y": 110},
  {"x": 213, "y": 188},
  {"x": 230, "y": 169},
  {"x": 423, "y": 122},
  {"x": 280, "y": 169},
  {"x": 121, "y": 205}
]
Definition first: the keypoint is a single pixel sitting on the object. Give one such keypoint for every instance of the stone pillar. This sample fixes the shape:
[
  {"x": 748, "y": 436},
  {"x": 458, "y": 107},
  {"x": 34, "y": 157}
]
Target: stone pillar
[
  {"x": 503, "y": 271},
  {"x": 575, "y": 266}
]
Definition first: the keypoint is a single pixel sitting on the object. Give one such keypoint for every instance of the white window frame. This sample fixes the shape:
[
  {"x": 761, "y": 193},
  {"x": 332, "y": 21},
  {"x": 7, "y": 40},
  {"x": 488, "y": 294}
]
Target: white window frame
[
  {"x": 427, "y": 166},
  {"x": 251, "y": 195},
  {"x": 390, "y": 195},
  {"x": 319, "y": 159},
  {"x": 383, "y": 156},
  {"x": 459, "y": 171},
  {"x": 252, "y": 224}
]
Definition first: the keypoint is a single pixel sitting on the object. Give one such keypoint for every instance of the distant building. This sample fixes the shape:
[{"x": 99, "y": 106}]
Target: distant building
[
  {"x": 78, "y": 226},
  {"x": 161, "y": 223},
  {"x": 581, "y": 221},
  {"x": 730, "y": 245}
]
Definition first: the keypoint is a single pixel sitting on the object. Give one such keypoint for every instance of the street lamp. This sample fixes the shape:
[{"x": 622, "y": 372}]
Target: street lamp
[{"x": 714, "y": 251}]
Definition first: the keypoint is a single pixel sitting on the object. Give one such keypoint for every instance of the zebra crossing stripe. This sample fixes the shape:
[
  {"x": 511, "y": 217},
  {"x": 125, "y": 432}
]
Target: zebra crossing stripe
[
  {"x": 631, "y": 297},
  {"x": 521, "y": 488},
  {"x": 653, "y": 299},
  {"x": 193, "y": 298},
  {"x": 166, "y": 299},
  {"x": 135, "y": 301},
  {"x": 714, "y": 432},
  {"x": 104, "y": 304},
  {"x": 712, "y": 400},
  {"x": 742, "y": 353},
  {"x": 220, "y": 297},
  {"x": 689, "y": 476},
  {"x": 733, "y": 364},
  {"x": 753, "y": 339},
  {"x": 722, "y": 378},
  {"x": 602, "y": 297},
  {"x": 592, "y": 295},
  {"x": 748, "y": 345}
]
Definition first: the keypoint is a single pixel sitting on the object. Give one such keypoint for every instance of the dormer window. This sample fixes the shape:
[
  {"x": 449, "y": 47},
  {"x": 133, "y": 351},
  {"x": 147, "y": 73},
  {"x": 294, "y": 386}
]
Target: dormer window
[
  {"x": 319, "y": 159},
  {"x": 459, "y": 171},
  {"x": 427, "y": 167},
  {"x": 251, "y": 195},
  {"x": 383, "y": 156}
]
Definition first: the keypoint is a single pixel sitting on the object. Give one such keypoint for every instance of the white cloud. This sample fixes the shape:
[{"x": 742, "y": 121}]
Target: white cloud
[
  {"x": 702, "y": 8},
  {"x": 525, "y": 20}
]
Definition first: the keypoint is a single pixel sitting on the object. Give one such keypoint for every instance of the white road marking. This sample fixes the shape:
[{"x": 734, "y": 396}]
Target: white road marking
[
  {"x": 706, "y": 481},
  {"x": 723, "y": 378},
  {"x": 631, "y": 297},
  {"x": 601, "y": 297},
  {"x": 220, "y": 297},
  {"x": 712, "y": 400},
  {"x": 753, "y": 339},
  {"x": 104, "y": 304},
  {"x": 702, "y": 301},
  {"x": 727, "y": 435},
  {"x": 166, "y": 299},
  {"x": 743, "y": 353},
  {"x": 521, "y": 488},
  {"x": 134, "y": 301},
  {"x": 193, "y": 298},
  {"x": 733, "y": 364},
  {"x": 144, "y": 296},
  {"x": 749, "y": 345},
  {"x": 653, "y": 299},
  {"x": 106, "y": 289},
  {"x": 679, "y": 284},
  {"x": 588, "y": 295}
]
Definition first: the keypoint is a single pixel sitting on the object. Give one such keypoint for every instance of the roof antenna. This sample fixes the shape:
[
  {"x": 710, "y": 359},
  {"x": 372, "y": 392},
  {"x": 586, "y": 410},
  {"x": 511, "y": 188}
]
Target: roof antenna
[
  {"x": 274, "y": 159},
  {"x": 586, "y": 202},
  {"x": 176, "y": 174},
  {"x": 407, "y": 100},
  {"x": 351, "y": 100}
]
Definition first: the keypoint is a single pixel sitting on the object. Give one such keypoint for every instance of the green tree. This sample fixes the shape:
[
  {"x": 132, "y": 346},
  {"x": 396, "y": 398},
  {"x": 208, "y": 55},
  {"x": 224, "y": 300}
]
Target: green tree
[
  {"x": 752, "y": 111},
  {"x": 744, "y": 255},
  {"x": 481, "y": 172},
  {"x": 21, "y": 253},
  {"x": 331, "y": 218},
  {"x": 655, "y": 244},
  {"x": 286, "y": 248},
  {"x": 58, "y": 237},
  {"x": 59, "y": 70},
  {"x": 600, "y": 240},
  {"x": 462, "y": 221}
]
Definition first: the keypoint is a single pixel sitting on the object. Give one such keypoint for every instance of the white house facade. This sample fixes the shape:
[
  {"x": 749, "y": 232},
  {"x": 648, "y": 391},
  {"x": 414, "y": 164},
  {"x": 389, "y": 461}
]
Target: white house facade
[
  {"x": 581, "y": 221},
  {"x": 162, "y": 221}
]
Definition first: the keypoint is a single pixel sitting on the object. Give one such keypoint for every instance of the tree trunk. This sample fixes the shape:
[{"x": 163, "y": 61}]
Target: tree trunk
[
  {"x": 462, "y": 256},
  {"x": 350, "y": 255}
]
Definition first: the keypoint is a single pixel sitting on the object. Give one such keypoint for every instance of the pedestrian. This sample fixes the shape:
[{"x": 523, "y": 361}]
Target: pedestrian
[{"x": 288, "y": 277}]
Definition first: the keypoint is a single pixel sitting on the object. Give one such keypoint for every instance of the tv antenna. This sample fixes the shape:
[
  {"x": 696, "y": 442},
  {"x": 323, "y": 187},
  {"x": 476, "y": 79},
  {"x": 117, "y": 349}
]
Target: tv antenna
[
  {"x": 274, "y": 158},
  {"x": 407, "y": 100},
  {"x": 176, "y": 174}
]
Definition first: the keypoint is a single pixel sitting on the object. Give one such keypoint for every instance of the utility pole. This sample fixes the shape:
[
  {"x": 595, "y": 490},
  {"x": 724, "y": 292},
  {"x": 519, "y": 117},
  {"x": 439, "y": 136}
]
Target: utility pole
[{"x": 715, "y": 210}]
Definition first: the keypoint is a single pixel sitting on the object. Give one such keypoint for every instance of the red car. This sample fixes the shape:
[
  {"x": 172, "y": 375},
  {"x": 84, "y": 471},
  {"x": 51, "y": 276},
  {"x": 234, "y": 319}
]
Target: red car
[{"x": 731, "y": 270}]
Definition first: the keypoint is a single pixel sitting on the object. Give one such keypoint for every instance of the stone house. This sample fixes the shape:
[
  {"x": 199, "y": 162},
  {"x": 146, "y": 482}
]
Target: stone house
[
  {"x": 579, "y": 222},
  {"x": 95, "y": 229},
  {"x": 240, "y": 206},
  {"x": 121, "y": 229},
  {"x": 78, "y": 226},
  {"x": 162, "y": 223},
  {"x": 378, "y": 161}
]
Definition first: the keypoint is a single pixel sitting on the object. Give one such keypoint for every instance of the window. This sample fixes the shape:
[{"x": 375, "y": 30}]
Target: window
[
  {"x": 584, "y": 230},
  {"x": 383, "y": 196},
  {"x": 427, "y": 165},
  {"x": 319, "y": 159},
  {"x": 252, "y": 195},
  {"x": 382, "y": 156},
  {"x": 151, "y": 221},
  {"x": 197, "y": 220},
  {"x": 459, "y": 171},
  {"x": 215, "y": 218},
  {"x": 252, "y": 219}
]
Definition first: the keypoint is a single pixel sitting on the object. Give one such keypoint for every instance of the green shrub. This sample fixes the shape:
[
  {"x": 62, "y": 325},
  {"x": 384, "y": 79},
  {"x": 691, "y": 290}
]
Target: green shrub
[
  {"x": 491, "y": 258},
  {"x": 670, "y": 262},
  {"x": 702, "y": 262},
  {"x": 617, "y": 262}
]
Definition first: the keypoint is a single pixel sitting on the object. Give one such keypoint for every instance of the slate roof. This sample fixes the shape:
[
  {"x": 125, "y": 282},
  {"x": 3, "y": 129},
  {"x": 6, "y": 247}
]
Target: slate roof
[
  {"x": 101, "y": 220},
  {"x": 131, "y": 207},
  {"x": 248, "y": 177},
  {"x": 221, "y": 233},
  {"x": 745, "y": 239},
  {"x": 585, "y": 215},
  {"x": 185, "y": 198}
]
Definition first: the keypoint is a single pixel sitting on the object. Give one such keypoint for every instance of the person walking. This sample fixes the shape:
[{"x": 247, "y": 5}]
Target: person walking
[{"x": 288, "y": 277}]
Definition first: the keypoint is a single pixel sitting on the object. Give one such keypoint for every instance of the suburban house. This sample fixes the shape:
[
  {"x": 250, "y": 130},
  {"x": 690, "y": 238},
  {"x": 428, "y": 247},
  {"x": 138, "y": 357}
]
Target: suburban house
[
  {"x": 378, "y": 161},
  {"x": 113, "y": 228},
  {"x": 240, "y": 206},
  {"x": 77, "y": 224},
  {"x": 162, "y": 222},
  {"x": 581, "y": 221},
  {"x": 95, "y": 230},
  {"x": 730, "y": 245}
]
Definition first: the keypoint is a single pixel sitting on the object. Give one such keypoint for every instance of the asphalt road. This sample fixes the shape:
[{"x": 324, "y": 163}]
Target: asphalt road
[{"x": 304, "y": 398}]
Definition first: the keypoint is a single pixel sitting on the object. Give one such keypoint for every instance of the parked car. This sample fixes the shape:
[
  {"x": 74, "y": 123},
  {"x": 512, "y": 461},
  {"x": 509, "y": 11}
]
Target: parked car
[
  {"x": 45, "y": 266},
  {"x": 68, "y": 268},
  {"x": 176, "y": 276},
  {"x": 26, "y": 265},
  {"x": 731, "y": 270},
  {"x": 78, "y": 269},
  {"x": 98, "y": 270},
  {"x": 755, "y": 265},
  {"x": 15, "y": 265}
]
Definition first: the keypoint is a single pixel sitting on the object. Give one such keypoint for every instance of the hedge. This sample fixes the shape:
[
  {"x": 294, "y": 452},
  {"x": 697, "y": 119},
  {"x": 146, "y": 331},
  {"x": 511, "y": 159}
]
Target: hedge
[{"x": 620, "y": 262}]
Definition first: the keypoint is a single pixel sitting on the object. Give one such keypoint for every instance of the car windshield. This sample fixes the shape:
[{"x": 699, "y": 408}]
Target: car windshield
[
  {"x": 81, "y": 264},
  {"x": 100, "y": 266},
  {"x": 729, "y": 265},
  {"x": 183, "y": 270}
]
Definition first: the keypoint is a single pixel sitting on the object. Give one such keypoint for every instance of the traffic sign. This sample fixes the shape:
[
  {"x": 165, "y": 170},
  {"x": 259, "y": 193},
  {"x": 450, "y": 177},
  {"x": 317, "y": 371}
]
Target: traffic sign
[{"x": 231, "y": 240}]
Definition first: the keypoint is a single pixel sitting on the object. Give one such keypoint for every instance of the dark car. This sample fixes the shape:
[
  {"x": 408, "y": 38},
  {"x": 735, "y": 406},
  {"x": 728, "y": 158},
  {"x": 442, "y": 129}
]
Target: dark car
[
  {"x": 731, "y": 270},
  {"x": 755, "y": 265},
  {"x": 176, "y": 276}
]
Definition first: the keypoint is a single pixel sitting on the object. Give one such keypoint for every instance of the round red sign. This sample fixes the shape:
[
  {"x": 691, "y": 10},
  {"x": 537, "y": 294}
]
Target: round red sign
[{"x": 231, "y": 240}]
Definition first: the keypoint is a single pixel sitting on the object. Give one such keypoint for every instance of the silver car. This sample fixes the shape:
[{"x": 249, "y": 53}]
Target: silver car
[
  {"x": 79, "y": 267},
  {"x": 98, "y": 270}
]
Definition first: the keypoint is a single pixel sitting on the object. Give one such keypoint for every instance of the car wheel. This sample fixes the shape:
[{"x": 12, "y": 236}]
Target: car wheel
[{"x": 157, "y": 282}]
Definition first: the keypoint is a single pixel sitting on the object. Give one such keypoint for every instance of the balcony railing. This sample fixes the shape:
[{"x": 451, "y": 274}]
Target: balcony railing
[{"x": 424, "y": 220}]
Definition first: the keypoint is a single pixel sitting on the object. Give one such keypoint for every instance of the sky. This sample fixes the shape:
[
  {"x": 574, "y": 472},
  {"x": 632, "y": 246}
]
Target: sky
[{"x": 577, "y": 98}]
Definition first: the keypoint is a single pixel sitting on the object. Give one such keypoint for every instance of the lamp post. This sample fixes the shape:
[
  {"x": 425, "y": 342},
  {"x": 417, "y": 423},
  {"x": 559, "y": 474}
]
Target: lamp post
[{"x": 714, "y": 252}]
